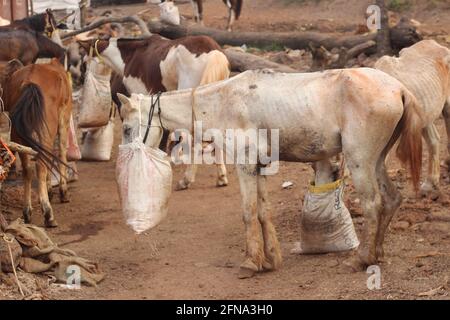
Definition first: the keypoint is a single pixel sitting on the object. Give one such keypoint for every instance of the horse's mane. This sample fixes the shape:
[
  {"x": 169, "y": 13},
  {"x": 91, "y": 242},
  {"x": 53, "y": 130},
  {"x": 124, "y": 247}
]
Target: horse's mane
[{"x": 36, "y": 22}]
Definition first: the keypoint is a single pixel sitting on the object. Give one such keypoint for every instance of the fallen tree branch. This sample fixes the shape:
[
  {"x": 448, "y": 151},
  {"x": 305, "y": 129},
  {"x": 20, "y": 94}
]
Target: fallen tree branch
[
  {"x": 402, "y": 35},
  {"x": 241, "y": 61},
  {"x": 98, "y": 23},
  {"x": 15, "y": 147}
]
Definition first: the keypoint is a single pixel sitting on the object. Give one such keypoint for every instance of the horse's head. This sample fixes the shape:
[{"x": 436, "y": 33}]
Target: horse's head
[
  {"x": 50, "y": 23},
  {"x": 7, "y": 68},
  {"x": 94, "y": 46},
  {"x": 131, "y": 119},
  {"x": 134, "y": 113}
]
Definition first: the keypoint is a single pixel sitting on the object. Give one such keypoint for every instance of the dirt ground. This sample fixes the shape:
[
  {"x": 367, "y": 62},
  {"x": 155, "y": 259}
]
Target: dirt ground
[{"x": 196, "y": 251}]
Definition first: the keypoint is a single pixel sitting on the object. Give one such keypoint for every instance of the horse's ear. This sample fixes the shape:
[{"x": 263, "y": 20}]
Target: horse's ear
[
  {"x": 13, "y": 66},
  {"x": 124, "y": 100}
]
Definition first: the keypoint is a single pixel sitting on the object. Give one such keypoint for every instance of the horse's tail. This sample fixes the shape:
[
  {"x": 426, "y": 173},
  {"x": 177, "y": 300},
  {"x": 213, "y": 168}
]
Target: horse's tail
[
  {"x": 28, "y": 122},
  {"x": 216, "y": 69},
  {"x": 238, "y": 8},
  {"x": 409, "y": 150}
]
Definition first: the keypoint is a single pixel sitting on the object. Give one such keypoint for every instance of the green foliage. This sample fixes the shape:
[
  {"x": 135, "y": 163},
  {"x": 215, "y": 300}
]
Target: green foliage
[{"x": 398, "y": 5}]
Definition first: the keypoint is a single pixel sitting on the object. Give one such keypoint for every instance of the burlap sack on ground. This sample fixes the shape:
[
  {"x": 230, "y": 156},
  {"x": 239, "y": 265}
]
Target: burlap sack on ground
[
  {"x": 41, "y": 254},
  {"x": 326, "y": 224}
]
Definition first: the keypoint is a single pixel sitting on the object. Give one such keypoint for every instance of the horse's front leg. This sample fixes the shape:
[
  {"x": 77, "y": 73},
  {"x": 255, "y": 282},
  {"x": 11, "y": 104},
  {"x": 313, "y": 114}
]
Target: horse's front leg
[
  {"x": 272, "y": 249},
  {"x": 248, "y": 176},
  {"x": 188, "y": 177},
  {"x": 231, "y": 17},
  {"x": 27, "y": 179}
]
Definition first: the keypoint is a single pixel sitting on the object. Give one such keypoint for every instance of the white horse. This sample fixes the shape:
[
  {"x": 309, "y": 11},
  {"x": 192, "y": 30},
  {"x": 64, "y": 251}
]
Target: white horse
[
  {"x": 424, "y": 69},
  {"x": 360, "y": 112}
]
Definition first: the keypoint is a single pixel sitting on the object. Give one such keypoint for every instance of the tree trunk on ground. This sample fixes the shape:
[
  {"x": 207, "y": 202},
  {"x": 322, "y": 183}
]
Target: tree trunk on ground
[
  {"x": 241, "y": 61},
  {"x": 383, "y": 35},
  {"x": 403, "y": 35},
  {"x": 3, "y": 223}
]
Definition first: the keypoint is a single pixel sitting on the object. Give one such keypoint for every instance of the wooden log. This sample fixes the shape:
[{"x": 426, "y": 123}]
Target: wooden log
[
  {"x": 98, "y": 23},
  {"x": 241, "y": 61},
  {"x": 3, "y": 222},
  {"x": 15, "y": 147},
  {"x": 401, "y": 35}
]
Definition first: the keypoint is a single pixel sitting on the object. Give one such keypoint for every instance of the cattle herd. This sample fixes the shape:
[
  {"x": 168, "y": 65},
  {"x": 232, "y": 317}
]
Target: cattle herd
[{"x": 361, "y": 113}]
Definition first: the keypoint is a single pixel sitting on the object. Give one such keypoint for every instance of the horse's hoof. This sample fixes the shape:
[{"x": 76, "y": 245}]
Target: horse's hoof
[
  {"x": 222, "y": 183},
  {"x": 63, "y": 197},
  {"x": 27, "y": 215},
  {"x": 429, "y": 191},
  {"x": 354, "y": 264},
  {"x": 181, "y": 185},
  {"x": 245, "y": 273},
  {"x": 51, "y": 223}
]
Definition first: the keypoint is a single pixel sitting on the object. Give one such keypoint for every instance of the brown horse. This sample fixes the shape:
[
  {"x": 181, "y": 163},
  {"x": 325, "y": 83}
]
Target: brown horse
[
  {"x": 27, "y": 46},
  {"x": 44, "y": 23},
  {"x": 39, "y": 99}
]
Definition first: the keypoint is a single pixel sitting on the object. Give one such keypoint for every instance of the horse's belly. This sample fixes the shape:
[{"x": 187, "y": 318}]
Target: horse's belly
[{"x": 307, "y": 145}]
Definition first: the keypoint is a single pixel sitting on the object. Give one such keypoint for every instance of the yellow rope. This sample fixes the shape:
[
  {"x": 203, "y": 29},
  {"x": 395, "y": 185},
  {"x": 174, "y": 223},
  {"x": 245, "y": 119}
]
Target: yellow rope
[
  {"x": 8, "y": 241},
  {"x": 96, "y": 51}
]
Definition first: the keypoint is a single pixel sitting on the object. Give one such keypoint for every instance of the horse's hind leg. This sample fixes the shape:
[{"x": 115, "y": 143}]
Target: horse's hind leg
[
  {"x": 392, "y": 199},
  {"x": 49, "y": 185},
  {"x": 431, "y": 185},
  {"x": 272, "y": 249},
  {"x": 247, "y": 175},
  {"x": 63, "y": 129},
  {"x": 41, "y": 171},
  {"x": 446, "y": 114},
  {"x": 365, "y": 182},
  {"x": 27, "y": 179}
]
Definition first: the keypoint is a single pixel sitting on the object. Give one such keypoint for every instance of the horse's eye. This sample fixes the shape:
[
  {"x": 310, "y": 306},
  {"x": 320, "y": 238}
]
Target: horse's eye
[{"x": 126, "y": 131}]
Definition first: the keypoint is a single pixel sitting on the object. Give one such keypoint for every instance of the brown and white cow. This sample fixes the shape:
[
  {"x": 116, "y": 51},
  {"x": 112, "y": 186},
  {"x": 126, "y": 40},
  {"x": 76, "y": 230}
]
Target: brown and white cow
[{"x": 156, "y": 64}]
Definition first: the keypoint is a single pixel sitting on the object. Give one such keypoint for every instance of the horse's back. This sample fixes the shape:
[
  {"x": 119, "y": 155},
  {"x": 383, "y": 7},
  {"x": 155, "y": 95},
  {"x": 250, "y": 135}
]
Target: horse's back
[{"x": 424, "y": 69}]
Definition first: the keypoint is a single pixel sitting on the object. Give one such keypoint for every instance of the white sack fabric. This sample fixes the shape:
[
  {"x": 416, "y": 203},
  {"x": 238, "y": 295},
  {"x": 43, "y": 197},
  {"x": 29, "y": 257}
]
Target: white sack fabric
[
  {"x": 169, "y": 13},
  {"x": 98, "y": 142},
  {"x": 144, "y": 178},
  {"x": 326, "y": 224},
  {"x": 96, "y": 102}
]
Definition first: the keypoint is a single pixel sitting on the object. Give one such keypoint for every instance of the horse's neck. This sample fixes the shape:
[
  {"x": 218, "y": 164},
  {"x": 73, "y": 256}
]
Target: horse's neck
[
  {"x": 176, "y": 110},
  {"x": 36, "y": 23},
  {"x": 48, "y": 48}
]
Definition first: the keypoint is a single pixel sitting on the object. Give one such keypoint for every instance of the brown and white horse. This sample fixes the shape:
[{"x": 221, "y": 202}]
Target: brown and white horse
[
  {"x": 39, "y": 99},
  {"x": 156, "y": 64},
  {"x": 234, "y": 11}
]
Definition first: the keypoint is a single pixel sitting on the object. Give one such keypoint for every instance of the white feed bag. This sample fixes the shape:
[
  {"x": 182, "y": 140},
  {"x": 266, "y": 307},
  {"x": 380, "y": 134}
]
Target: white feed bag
[
  {"x": 169, "y": 13},
  {"x": 326, "y": 224},
  {"x": 98, "y": 142},
  {"x": 144, "y": 179},
  {"x": 96, "y": 102}
]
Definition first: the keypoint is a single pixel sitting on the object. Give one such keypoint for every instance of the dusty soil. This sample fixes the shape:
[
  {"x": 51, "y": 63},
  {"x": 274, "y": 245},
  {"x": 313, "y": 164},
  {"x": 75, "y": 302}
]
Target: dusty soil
[{"x": 196, "y": 251}]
